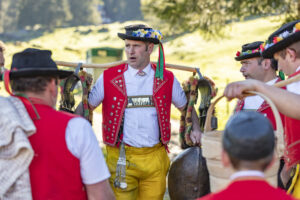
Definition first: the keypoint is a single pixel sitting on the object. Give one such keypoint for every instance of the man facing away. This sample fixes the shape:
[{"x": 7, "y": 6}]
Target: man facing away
[
  {"x": 248, "y": 147},
  {"x": 254, "y": 66},
  {"x": 284, "y": 46},
  {"x": 136, "y": 100},
  {"x": 68, "y": 162}
]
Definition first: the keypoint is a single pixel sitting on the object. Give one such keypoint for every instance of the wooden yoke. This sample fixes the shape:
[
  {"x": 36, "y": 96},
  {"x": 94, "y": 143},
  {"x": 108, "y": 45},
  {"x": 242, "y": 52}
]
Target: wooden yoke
[{"x": 108, "y": 65}]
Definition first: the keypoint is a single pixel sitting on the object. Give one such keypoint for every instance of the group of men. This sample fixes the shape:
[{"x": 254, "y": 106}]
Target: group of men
[
  {"x": 245, "y": 140},
  {"x": 68, "y": 162}
]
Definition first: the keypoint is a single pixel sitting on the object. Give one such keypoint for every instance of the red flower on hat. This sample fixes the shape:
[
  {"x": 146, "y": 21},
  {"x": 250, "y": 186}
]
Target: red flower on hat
[
  {"x": 262, "y": 47},
  {"x": 238, "y": 54}
]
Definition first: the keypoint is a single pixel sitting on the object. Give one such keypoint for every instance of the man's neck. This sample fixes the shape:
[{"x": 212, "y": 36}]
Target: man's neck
[
  {"x": 269, "y": 76},
  {"x": 43, "y": 97}
]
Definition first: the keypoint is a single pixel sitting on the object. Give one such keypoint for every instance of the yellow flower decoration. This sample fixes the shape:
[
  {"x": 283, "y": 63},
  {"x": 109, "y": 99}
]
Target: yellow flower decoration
[{"x": 297, "y": 26}]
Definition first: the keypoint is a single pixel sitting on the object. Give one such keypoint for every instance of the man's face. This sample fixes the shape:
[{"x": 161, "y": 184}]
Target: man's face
[
  {"x": 1, "y": 58},
  {"x": 138, "y": 53},
  {"x": 251, "y": 69}
]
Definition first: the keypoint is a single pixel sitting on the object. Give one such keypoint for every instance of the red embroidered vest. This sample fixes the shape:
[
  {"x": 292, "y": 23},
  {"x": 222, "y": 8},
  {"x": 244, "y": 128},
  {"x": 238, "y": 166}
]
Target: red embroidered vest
[
  {"x": 115, "y": 102},
  {"x": 54, "y": 171},
  {"x": 265, "y": 109},
  {"x": 292, "y": 138}
]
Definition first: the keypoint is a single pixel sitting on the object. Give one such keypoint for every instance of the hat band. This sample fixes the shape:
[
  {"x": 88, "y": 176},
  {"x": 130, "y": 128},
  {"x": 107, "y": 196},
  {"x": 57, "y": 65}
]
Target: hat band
[
  {"x": 243, "y": 53},
  {"x": 267, "y": 44},
  {"x": 147, "y": 33}
]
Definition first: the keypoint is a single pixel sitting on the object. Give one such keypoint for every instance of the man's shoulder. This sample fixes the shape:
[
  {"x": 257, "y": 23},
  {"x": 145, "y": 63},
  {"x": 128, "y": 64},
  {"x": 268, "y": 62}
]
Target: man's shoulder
[{"x": 116, "y": 68}]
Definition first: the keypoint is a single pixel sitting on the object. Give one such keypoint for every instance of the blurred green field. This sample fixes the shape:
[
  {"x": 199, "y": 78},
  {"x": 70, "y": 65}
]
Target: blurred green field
[{"x": 214, "y": 57}]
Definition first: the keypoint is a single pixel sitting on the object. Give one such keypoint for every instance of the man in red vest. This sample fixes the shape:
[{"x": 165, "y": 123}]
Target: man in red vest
[
  {"x": 67, "y": 163},
  {"x": 248, "y": 147},
  {"x": 254, "y": 66},
  {"x": 136, "y": 102},
  {"x": 284, "y": 46}
]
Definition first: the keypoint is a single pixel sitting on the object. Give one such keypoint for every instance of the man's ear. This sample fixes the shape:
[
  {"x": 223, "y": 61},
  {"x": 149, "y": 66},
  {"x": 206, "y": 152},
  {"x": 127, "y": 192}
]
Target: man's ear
[
  {"x": 266, "y": 64},
  {"x": 150, "y": 47},
  {"x": 291, "y": 54},
  {"x": 53, "y": 86},
  {"x": 225, "y": 159}
]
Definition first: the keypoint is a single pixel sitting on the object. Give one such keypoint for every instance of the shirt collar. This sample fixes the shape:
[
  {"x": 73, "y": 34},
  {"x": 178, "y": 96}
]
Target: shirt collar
[
  {"x": 132, "y": 71},
  {"x": 247, "y": 173},
  {"x": 272, "y": 82}
]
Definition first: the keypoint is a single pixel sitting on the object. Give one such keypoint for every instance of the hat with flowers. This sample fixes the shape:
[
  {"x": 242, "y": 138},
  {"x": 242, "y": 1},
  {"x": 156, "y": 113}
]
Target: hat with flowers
[
  {"x": 283, "y": 37},
  {"x": 249, "y": 50},
  {"x": 145, "y": 33}
]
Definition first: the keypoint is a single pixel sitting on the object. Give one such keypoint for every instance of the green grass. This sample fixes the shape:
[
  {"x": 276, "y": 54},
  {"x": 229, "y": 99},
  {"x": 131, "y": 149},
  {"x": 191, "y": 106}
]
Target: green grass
[{"x": 214, "y": 57}]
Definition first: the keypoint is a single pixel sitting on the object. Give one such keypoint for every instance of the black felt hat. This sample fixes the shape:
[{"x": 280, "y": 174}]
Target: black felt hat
[
  {"x": 250, "y": 50},
  {"x": 141, "y": 32},
  {"x": 34, "y": 62},
  {"x": 283, "y": 37},
  {"x": 249, "y": 136}
]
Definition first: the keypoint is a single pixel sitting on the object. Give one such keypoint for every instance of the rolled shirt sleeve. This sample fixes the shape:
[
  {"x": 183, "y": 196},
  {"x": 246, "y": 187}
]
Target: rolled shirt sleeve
[
  {"x": 178, "y": 95},
  {"x": 83, "y": 144},
  {"x": 96, "y": 95}
]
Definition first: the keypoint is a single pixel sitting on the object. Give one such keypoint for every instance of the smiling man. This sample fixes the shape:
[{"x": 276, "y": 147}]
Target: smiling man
[
  {"x": 254, "y": 66},
  {"x": 136, "y": 99}
]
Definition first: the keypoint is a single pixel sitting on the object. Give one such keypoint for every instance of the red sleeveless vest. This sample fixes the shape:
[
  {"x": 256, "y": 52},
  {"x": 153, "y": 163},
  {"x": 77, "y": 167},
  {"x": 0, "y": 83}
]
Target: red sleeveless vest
[
  {"x": 292, "y": 138},
  {"x": 54, "y": 171},
  {"x": 115, "y": 102},
  {"x": 264, "y": 109}
]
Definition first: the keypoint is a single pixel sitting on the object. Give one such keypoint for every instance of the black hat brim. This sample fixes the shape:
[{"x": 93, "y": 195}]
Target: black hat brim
[
  {"x": 129, "y": 37},
  {"x": 27, "y": 73},
  {"x": 247, "y": 56},
  {"x": 269, "y": 52}
]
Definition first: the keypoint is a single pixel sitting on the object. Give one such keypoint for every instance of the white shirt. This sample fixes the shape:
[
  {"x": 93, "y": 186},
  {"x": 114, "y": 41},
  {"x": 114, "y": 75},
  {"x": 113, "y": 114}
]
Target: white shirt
[
  {"x": 254, "y": 102},
  {"x": 141, "y": 127},
  {"x": 295, "y": 86},
  {"x": 82, "y": 143}
]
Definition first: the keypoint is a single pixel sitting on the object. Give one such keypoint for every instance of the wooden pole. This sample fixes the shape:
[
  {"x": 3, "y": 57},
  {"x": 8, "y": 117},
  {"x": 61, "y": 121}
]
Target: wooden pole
[{"x": 108, "y": 65}]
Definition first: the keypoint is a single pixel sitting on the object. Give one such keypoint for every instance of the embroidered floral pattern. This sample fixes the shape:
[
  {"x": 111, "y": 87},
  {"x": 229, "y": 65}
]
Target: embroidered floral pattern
[
  {"x": 155, "y": 34},
  {"x": 267, "y": 44}
]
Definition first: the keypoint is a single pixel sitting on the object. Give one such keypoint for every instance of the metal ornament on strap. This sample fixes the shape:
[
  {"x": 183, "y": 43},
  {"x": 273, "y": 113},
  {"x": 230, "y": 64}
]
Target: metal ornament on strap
[{"x": 120, "y": 180}]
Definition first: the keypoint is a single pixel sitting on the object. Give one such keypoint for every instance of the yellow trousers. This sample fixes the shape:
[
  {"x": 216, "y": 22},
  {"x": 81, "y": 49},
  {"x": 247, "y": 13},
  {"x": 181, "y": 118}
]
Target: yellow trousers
[
  {"x": 146, "y": 170},
  {"x": 294, "y": 189}
]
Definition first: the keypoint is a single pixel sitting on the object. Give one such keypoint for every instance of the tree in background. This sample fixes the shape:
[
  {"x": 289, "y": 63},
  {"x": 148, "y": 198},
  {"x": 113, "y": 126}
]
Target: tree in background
[
  {"x": 9, "y": 11},
  {"x": 48, "y": 13},
  {"x": 211, "y": 15},
  {"x": 84, "y": 12},
  {"x": 123, "y": 10}
]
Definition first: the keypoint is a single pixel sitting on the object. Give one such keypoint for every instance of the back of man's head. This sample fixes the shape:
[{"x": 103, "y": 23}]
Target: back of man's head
[{"x": 249, "y": 141}]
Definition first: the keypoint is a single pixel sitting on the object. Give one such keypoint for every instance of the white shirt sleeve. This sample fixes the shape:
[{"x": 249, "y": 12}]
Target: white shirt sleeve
[
  {"x": 82, "y": 143},
  {"x": 96, "y": 95},
  {"x": 178, "y": 95}
]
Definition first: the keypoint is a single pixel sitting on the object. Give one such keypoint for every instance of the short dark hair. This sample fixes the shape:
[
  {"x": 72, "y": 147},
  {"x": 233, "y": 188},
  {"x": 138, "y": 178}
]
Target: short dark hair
[
  {"x": 274, "y": 64},
  {"x": 260, "y": 164},
  {"x": 35, "y": 84}
]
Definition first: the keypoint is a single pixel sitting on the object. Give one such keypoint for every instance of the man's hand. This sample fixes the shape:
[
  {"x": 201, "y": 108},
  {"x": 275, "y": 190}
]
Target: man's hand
[
  {"x": 195, "y": 133},
  {"x": 196, "y": 137},
  {"x": 236, "y": 89}
]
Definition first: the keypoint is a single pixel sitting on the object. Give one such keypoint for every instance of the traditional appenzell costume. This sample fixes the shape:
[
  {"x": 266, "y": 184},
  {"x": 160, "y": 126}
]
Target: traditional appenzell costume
[
  {"x": 256, "y": 103},
  {"x": 136, "y": 125},
  {"x": 66, "y": 152},
  {"x": 279, "y": 40}
]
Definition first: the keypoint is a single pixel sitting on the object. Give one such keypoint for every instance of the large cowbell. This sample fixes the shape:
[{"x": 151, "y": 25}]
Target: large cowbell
[{"x": 188, "y": 176}]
